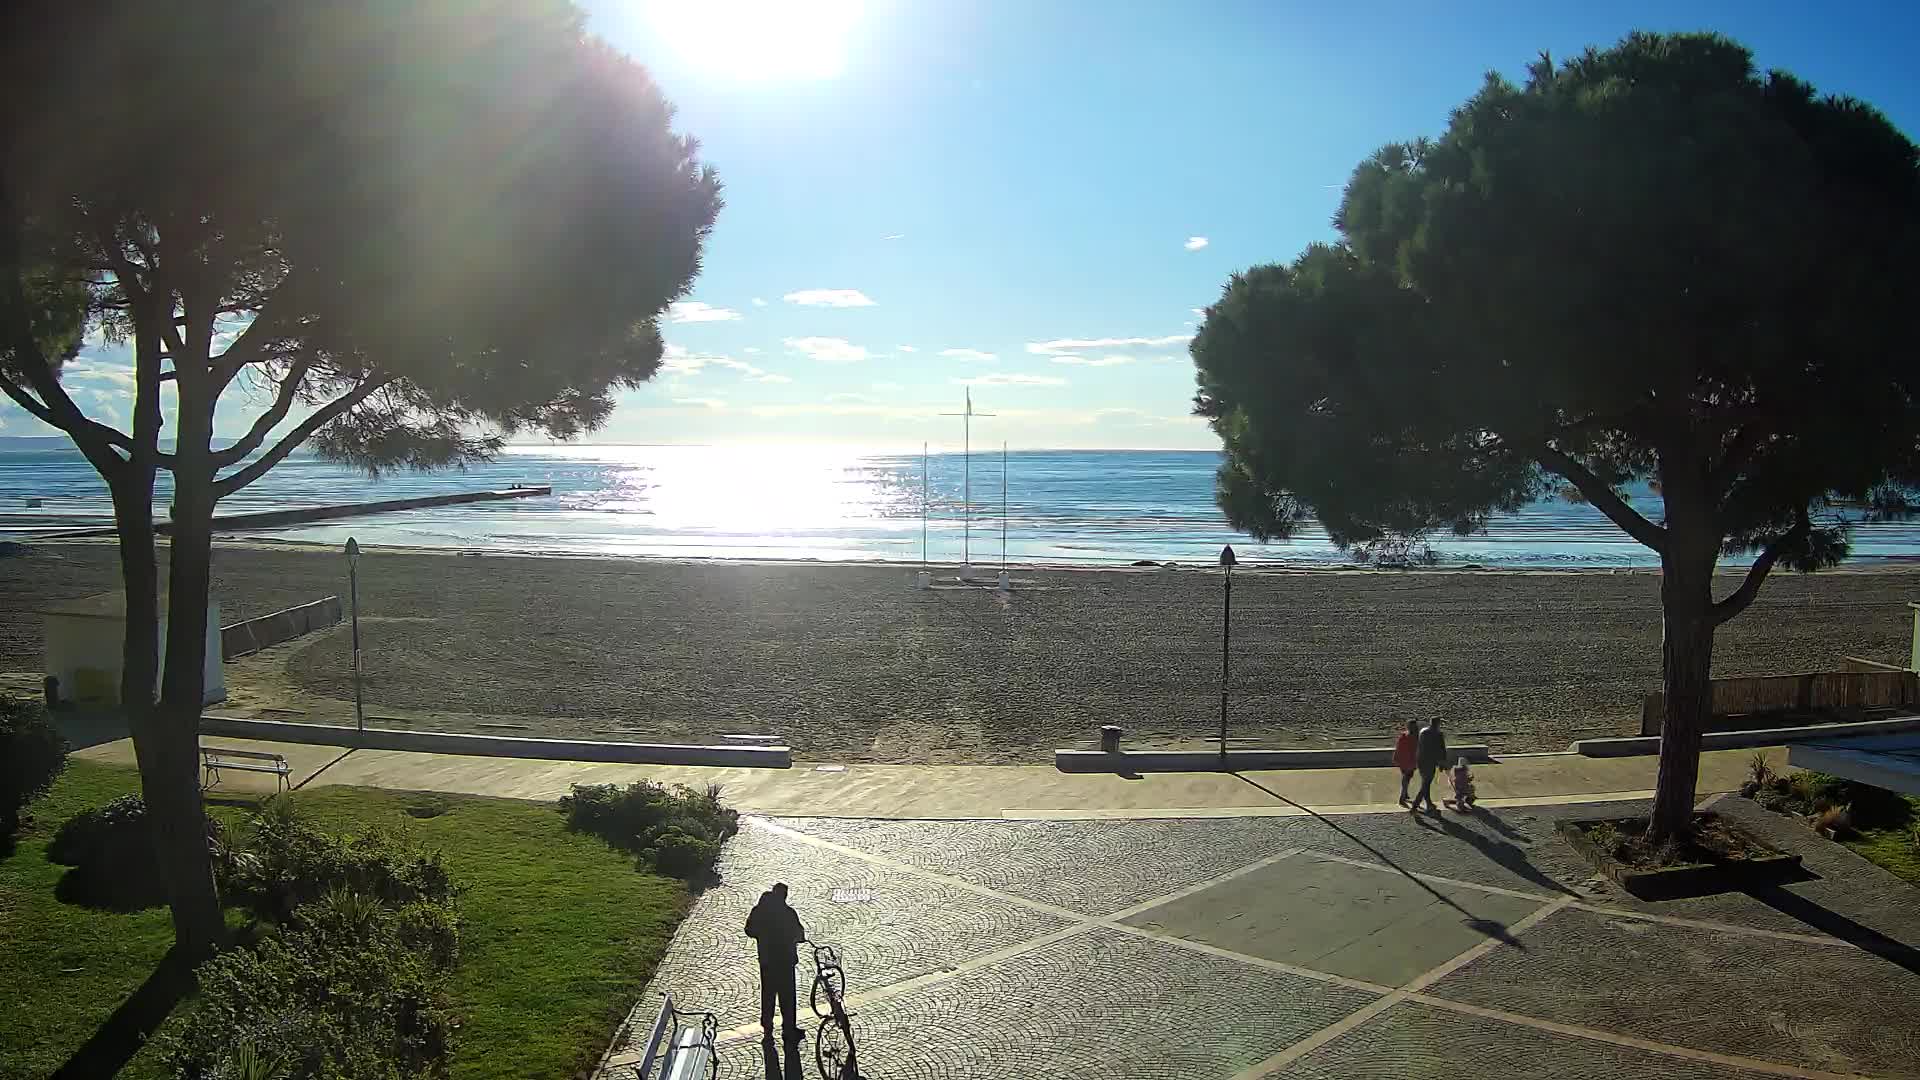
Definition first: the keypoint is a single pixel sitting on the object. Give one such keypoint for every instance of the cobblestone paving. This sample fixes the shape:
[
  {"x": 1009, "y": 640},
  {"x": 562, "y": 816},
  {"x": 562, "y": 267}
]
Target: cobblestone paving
[
  {"x": 1418, "y": 1041},
  {"x": 991, "y": 949}
]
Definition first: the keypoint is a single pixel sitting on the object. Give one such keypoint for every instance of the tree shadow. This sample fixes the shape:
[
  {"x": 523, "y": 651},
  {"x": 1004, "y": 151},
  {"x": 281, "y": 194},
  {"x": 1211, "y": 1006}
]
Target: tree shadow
[
  {"x": 1481, "y": 813},
  {"x": 120, "y": 1037},
  {"x": 1834, "y": 924},
  {"x": 1490, "y": 927}
]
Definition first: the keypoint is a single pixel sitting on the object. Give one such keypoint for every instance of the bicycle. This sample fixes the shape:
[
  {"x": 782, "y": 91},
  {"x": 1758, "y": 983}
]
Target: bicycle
[{"x": 833, "y": 1051}]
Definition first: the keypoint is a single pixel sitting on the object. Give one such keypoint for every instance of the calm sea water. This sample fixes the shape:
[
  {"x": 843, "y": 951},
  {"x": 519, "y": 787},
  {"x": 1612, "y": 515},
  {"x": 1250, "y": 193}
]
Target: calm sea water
[{"x": 1112, "y": 506}]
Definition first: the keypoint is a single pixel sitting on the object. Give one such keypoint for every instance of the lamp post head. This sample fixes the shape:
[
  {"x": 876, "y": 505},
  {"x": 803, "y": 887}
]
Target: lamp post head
[
  {"x": 1226, "y": 557},
  {"x": 353, "y": 550}
]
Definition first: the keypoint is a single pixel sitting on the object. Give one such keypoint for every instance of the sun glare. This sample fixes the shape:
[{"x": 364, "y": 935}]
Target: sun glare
[{"x": 758, "y": 39}]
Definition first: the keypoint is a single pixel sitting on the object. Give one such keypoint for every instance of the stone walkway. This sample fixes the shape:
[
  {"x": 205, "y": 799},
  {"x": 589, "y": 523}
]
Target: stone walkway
[{"x": 1305, "y": 947}]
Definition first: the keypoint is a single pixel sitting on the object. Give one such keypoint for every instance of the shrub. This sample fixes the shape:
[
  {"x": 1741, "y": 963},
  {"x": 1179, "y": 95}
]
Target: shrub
[
  {"x": 675, "y": 831},
  {"x": 1835, "y": 821},
  {"x": 353, "y": 983},
  {"x": 32, "y": 754},
  {"x": 338, "y": 992},
  {"x": 1760, "y": 769},
  {"x": 289, "y": 862},
  {"x": 111, "y": 850}
]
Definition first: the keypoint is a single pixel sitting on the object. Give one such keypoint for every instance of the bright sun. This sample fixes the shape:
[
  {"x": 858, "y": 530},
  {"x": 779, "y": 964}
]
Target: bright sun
[{"x": 758, "y": 39}]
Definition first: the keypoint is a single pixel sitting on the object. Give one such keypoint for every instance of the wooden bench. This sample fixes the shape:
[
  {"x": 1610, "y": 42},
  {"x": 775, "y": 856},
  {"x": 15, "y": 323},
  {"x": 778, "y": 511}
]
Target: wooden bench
[
  {"x": 680, "y": 1050},
  {"x": 213, "y": 759}
]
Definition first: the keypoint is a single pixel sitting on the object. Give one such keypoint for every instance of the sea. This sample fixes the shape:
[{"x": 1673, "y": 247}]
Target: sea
[{"x": 1099, "y": 507}]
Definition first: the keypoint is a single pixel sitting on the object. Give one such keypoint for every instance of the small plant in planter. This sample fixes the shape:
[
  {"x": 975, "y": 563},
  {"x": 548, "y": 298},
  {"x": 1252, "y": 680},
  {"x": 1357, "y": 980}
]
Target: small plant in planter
[
  {"x": 1760, "y": 775},
  {"x": 1834, "y": 822}
]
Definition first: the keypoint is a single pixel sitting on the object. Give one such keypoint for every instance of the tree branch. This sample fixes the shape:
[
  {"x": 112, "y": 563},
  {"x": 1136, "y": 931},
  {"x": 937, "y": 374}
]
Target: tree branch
[
  {"x": 1737, "y": 601},
  {"x": 1603, "y": 497},
  {"x": 267, "y": 421},
  {"x": 1740, "y": 450},
  {"x": 321, "y": 418}
]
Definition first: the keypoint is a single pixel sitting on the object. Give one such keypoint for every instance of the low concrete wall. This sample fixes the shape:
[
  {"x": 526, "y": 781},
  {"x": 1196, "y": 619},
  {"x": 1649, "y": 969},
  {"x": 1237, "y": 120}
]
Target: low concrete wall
[
  {"x": 1736, "y": 740},
  {"x": 436, "y": 742},
  {"x": 1146, "y": 761},
  {"x": 284, "y": 625}
]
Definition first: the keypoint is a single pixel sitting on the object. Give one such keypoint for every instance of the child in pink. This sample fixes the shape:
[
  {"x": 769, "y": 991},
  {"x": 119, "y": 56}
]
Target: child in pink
[{"x": 1462, "y": 787}]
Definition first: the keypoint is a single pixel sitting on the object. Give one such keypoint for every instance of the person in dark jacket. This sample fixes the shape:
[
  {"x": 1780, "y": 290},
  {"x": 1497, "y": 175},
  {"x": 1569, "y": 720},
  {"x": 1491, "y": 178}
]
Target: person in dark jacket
[
  {"x": 775, "y": 929},
  {"x": 1404, "y": 757},
  {"x": 1432, "y": 755}
]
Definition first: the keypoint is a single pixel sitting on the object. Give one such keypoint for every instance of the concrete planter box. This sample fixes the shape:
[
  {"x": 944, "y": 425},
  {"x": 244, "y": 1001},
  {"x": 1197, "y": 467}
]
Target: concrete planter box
[{"x": 1683, "y": 879}]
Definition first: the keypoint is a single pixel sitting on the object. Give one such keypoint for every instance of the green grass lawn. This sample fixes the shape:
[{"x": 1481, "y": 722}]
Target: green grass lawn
[
  {"x": 558, "y": 934},
  {"x": 1893, "y": 848}
]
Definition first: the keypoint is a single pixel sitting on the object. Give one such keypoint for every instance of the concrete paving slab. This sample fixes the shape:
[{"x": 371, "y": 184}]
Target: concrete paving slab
[
  {"x": 1330, "y": 916},
  {"x": 1819, "y": 1007}
]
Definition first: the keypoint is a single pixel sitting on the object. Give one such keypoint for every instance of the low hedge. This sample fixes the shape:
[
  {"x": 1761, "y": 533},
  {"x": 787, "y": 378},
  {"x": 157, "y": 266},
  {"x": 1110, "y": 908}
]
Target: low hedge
[
  {"x": 675, "y": 831},
  {"x": 353, "y": 982},
  {"x": 32, "y": 755},
  {"x": 113, "y": 856}
]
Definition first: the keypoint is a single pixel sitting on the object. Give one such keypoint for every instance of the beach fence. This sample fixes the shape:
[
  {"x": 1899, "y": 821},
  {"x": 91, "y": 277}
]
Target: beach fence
[
  {"x": 251, "y": 636},
  {"x": 1851, "y": 691}
]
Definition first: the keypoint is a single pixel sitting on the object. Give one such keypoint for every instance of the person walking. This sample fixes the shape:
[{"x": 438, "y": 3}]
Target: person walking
[
  {"x": 775, "y": 928},
  {"x": 1430, "y": 756},
  {"x": 1405, "y": 757}
]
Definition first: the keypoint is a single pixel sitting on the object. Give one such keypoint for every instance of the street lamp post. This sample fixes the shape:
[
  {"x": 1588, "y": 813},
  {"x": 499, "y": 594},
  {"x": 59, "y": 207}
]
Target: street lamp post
[
  {"x": 353, "y": 593},
  {"x": 1226, "y": 641}
]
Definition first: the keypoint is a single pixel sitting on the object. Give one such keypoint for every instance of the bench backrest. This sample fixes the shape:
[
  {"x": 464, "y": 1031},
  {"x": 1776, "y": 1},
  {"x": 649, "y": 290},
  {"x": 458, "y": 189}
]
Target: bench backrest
[
  {"x": 657, "y": 1038},
  {"x": 256, "y": 755}
]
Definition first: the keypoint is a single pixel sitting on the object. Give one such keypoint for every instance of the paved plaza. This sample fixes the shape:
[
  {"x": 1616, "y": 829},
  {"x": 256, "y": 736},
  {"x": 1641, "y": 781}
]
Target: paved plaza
[{"x": 1359, "y": 945}]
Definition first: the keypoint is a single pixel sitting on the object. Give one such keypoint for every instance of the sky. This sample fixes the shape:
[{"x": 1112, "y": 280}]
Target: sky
[{"x": 1033, "y": 200}]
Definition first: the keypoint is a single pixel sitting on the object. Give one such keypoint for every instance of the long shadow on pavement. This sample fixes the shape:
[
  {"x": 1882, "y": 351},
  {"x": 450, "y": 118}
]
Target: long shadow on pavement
[
  {"x": 1490, "y": 927},
  {"x": 1837, "y": 925},
  {"x": 1504, "y": 853}
]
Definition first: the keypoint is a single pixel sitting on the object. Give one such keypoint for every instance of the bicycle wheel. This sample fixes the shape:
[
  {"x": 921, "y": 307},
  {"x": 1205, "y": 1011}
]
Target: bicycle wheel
[
  {"x": 832, "y": 1049},
  {"x": 829, "y": 983}
]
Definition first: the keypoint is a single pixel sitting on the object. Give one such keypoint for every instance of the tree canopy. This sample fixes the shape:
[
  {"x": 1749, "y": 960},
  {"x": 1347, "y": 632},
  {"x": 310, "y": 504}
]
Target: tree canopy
[
  {"x": 1650, "y": 262},
  {"x": 400, "y": 231},
  {"x": 422, "y": 225}
]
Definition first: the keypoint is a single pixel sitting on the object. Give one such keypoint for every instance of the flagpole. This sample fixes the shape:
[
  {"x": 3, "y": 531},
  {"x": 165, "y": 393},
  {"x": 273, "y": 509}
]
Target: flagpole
[
  {"x": 1003, "y": 505},
  {"x": 923, "y": 506},
  {"x": 966, "y": 514}
]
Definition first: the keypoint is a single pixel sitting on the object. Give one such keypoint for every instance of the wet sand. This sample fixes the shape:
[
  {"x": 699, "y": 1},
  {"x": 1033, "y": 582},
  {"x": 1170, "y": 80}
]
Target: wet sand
[{"x": 849, "y": 663}]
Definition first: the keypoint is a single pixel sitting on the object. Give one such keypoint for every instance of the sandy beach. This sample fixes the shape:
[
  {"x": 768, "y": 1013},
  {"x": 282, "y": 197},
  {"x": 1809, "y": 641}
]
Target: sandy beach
[{"x": 849, "y": 663}]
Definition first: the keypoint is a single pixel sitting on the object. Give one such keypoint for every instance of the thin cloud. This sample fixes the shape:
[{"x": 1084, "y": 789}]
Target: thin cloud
[
  {"x": 895, "y": 236},
  {"x": 751, "y": 349},
  {"x": 1059, "y": 346},
  {"x": 1094, "y": 361},
  {"x": 850, "y": 399},
  {"x": 1198, "y": 313},
  {"x": 1011, "y": 378},
  {"x": 678, "y": 362},
  {"x": 759, "y": 302},
  {"x": 906, "y": 348},
  {"x": 829, "y": 298},
  {"x": 1195, "y": 243},
  {"x": 828, "y": 350},
  {"x": 972, "y": 355},
  {"x": 692, "y": 311},
  {"x": 700, "y": 402}
]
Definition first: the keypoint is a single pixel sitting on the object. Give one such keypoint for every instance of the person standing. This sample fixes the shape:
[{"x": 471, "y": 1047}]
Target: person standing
[
  {"x": 1431, "y": 755},
  {"x": 775, "y": 929},
  {"x": 1405, "y": 756}
]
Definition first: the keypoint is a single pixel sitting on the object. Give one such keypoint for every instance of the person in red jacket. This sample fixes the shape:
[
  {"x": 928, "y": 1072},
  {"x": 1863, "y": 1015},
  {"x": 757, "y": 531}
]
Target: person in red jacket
[{"x": 1404, "y": 756}]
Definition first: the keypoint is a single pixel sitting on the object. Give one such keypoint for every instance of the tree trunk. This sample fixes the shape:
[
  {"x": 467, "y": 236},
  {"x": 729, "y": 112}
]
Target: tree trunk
[
  {"x": 175, "y": 809},
  {"x": 1686, "y": 679}
]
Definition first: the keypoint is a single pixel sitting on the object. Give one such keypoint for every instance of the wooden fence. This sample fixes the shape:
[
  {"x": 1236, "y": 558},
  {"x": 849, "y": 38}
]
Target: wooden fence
[{"x": 1812, "y": 692}]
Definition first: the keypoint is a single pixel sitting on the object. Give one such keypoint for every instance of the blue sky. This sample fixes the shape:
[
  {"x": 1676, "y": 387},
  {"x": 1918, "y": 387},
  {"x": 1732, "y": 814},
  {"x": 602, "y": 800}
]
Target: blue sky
[{"x": 1034, "y": 197}]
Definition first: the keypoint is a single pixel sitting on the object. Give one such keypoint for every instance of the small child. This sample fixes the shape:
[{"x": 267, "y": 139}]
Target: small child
[{"x": 1462, "y": 788}]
